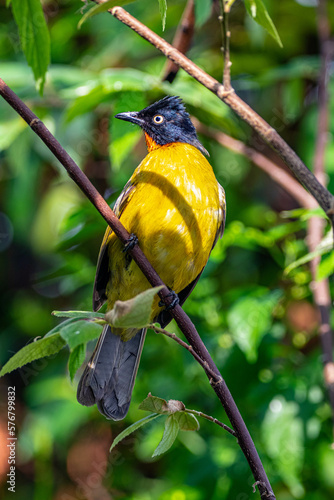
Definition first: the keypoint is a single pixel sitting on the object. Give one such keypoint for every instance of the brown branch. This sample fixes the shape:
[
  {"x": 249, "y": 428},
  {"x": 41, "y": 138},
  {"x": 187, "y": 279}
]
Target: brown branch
[
  {"x": 245, "y": 112},
  {"x": 227, "y": 36},
  {"x": 320, "y": 289},
  {"x": 181, "y": 41},
  {"x": 214, "y": 379},
  {"x": 186, "y": 326},
  {"x": 211, "y": 419}
]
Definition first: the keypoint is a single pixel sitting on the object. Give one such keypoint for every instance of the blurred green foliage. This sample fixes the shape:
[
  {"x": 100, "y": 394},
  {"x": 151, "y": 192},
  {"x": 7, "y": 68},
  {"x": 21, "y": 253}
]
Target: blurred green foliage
[{"x": 258, "y": 322}]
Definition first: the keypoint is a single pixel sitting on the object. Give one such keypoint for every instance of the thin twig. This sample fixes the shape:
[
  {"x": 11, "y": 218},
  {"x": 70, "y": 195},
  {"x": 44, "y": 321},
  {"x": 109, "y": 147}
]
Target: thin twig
[
  {"x": 320, "y": 289},
  {"x": 245, "y": 112},
  {"x": 226, "y": 33},
  {"x": 181, "y": 41},
  {"x": 183, "y": 321},
  {"x": 189, "y": 348},
  {"x": 211, "y": 419},
  {"x": 204, "y": 365}
]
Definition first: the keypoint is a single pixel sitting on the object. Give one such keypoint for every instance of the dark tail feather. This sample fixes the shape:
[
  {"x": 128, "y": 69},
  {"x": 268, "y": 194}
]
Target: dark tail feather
[{"x": 109, "y": 376}]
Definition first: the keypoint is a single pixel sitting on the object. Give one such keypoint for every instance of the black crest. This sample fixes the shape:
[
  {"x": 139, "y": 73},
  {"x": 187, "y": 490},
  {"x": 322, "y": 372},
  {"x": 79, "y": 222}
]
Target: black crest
[{"x": 166, "y": 121}]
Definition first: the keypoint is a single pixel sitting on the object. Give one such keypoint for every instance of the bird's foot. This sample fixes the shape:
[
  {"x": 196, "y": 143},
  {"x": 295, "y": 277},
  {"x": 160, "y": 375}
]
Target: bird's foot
[
  {"x": 131, "y": 242},
  {"x": 175, "y": 301}
]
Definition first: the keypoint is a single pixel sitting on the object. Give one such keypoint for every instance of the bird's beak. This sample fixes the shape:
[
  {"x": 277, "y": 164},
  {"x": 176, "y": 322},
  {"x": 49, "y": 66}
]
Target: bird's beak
[{"x": 131, "y": 116}]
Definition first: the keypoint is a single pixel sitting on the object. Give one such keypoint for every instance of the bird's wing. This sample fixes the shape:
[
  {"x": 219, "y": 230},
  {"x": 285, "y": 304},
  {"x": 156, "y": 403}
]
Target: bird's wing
[
  {"x": 164, "y": 316},
  {"x": 221, "y": 215},
  {"x": 102, "y": 276}
]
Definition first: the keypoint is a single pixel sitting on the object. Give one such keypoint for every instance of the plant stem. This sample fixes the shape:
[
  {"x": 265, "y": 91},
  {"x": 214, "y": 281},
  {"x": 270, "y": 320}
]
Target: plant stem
[{"x": 211, "y": 419}]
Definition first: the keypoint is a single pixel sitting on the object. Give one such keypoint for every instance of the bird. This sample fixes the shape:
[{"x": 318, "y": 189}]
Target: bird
[{"x": 174, "y": 207}]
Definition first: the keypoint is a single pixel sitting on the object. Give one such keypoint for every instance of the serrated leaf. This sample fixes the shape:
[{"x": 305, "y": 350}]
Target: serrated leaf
[
  {"x": 57, "y": 328},
  {"x": 34, "y": 37},
  {"x": 170, "y": 432},
  {"x": 77, "y": 357},
  {"x": 163, "y": 12},
  {"x": 249, "y": 319},
  {"x": 79, "y": 332},
  {"x": 132, "y": 428},
  {"x": 38, "y": 349},
  {"x": 257, "y": 10},
  {"x": 154, "y": 404},
  {"x": 102, "y": 8},
  {"x": 187, "y": 421},
  {"x": 133, "y": 313},
  {"x": 78, "y": 314}
]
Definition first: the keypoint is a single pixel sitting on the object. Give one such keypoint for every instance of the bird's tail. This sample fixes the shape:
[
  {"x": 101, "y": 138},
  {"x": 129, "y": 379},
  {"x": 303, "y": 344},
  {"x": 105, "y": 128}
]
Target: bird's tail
[{"x": 109, "y": 376}]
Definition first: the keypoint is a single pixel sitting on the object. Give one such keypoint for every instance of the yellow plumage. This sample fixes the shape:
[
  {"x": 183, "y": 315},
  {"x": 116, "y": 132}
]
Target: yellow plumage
[{"x": 175, "y": 208}]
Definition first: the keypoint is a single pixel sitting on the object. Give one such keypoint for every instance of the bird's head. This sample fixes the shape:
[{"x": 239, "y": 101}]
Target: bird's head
[{"x": 166, "y": 121}]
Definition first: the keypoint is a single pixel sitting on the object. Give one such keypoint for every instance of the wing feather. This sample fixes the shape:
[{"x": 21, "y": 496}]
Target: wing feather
[{"x": 103, "y": 276}]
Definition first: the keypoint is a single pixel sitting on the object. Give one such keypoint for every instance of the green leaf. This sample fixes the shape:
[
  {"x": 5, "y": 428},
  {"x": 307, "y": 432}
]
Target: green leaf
[
  {"x": 154, "y": 404},
  {"x": 77, "y": 357},
  {"x": 203, "y": 9},
  {"x": 133, "y": 313},
  {"x": 9, "y": 131},
  {"x": 163, "y": 12},
  {"x": 187, "y": 421},
  {"x": 123, "y": 136},
  {"x": 303, "y": 213},
  {"x": 257, "y": 10},
  {"x": 34, "y": 37},
  {"x": 284, "y": 441},
  {"x": 326, "y": 267},
  {"x": 132, "y": 428},
  {"x": 249, "y": 320},
  {"x": 78, "y": 314},
  {"x": 79, "y": 332},
  {"x": 57, "y": 328},
  {"x": 97, "y": 9},
  {"x": 169, "y": 435},
  {"x": 89, "y": 95},
  {"x": 37, "y": 349},
  {"x": 324, "y": 246}
]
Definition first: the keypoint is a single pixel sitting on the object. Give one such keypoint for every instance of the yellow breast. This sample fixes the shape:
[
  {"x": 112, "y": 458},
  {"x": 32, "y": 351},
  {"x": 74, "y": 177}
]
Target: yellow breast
[{"x": 174, "y": 211}]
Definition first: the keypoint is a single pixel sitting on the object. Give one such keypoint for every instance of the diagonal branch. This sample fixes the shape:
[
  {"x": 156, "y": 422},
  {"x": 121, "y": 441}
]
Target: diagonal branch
[
  {"x": 186, "y": 326},
  {"x": 182, "y": 40},
  {"x": 245, "y": 112}
]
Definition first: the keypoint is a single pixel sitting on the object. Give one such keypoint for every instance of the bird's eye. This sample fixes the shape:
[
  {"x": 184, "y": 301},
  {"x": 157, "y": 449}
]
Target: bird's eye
[{"x": 158, "y": 119}]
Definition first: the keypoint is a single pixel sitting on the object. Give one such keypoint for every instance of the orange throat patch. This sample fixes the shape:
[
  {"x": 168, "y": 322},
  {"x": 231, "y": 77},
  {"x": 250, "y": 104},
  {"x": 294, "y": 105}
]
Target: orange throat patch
[{"x": 150, "y": 143}]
